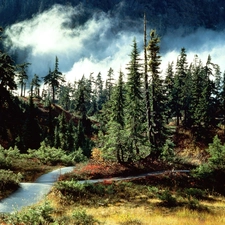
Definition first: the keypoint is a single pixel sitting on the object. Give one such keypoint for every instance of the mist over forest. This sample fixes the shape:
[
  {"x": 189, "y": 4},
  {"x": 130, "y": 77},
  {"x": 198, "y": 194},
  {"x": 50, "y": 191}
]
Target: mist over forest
[{"x": 90, "y": 37}]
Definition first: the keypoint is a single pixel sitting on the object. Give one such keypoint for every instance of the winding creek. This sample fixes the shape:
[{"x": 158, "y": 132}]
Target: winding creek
[{"x": 30, "y": 193}]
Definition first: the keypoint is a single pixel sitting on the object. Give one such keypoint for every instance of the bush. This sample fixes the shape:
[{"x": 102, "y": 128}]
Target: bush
[
  {"x": 50, "y": 155},
  {"x": 9, "y": 180},
  {"x": 78, "y": 156},
  {"x": 80, "y": 217},
  {"x": 168, "y": 151},
  {"x": 193, "y": 203},
  {"x": 202, "y": 171},
  {"x": 7, "y": 156},
  {"x": 195, "y": 193},
  {"x": 217, "y": 154},
  {"x": 216, "y": 161},
  {"x": 167, "y": 198},
  {"x": 32, "y": 216}
]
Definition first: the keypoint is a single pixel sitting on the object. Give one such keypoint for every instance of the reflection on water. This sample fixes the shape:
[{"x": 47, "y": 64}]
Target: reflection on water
[{"x": 31, "y": 193}]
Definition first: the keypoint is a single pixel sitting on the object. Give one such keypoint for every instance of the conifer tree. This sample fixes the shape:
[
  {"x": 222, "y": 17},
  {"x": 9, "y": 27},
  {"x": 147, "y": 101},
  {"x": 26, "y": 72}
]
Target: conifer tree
[
  {"x": 134, "y": 99},
  {"x": 65, "y": 92},
  {"x": 169, "y": 92},
  {"x": 115, "y": 138},
  {"x": 157, "y": 95},
  {"x": 53, "y": 78},
  {"x": 109, "y": 83},
  {"x": 179, "y": 84},
  {"x": 146, "y": 86},
  {"x": 22, "y": 76},
  {"x": 35, "y": 86},
  {"x": 100, "y": 94}
]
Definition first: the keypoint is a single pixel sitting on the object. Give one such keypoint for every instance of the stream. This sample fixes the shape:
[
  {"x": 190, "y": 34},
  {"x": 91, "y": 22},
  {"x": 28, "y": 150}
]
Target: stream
[{"x": 31, "y": 193}]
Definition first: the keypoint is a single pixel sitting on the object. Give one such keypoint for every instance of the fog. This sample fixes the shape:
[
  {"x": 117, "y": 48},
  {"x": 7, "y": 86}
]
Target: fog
[{"x": 98, "y": 44}]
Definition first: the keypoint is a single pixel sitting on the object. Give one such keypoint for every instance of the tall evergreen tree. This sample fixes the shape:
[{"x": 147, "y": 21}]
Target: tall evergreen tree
[
  {"x": 100, "y": 93},
  {"x": 109, "y": 83},
  {"x": 115, "y": 138},
  {"x": 135, "y": 111},
  {"x": 53, "y": 78},
  {"x": 169, "y": 92},
  {"x": 179, "y": 84},
  {"x": 35, "y": 86},
  {"x": 146, "y": 85},
  {"x": 157, "y": 95},
  {"x": 22, "y": 76}
]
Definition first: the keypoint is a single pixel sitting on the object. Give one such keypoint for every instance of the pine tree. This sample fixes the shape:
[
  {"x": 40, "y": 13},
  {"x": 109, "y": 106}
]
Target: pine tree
[
  {"x": 169, "y": 92},
  {"x": 146, "y": 85},
  {"x": 31, "y": 132},
  {"x": 65, "y": 93},
  {"x": 7, "y": 77},
  {"x": 53, "y": 78},
  {"x": 179, "y": 84},
  {"x": 134, "y": 99},
  {"x": 35, "y": 86},
  {"x": 157, "y": 95},
  {"x": 109, "y": 83},
  {"x": 22, "y": 76},
  {"x": 101, "y": 96},
  {"x": 114, "y": 141},
  {"x": 118, "y": 102}
]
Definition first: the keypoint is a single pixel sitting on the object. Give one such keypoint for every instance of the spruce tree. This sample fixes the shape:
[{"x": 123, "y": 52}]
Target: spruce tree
[
  {"x": 169, "y": 92},
  {"x": 35, "y": 86},
  {"x": 53, "y": 79},
  {"x": 157, "y": 96},
  {"x": 146, "y": 86},
  {"x": 109, "y": 83},
  {"x": 115, "y": 138},
  {"x": 22, "y": 76},
  {"x": 180, "y": 94},
  {"x": 135, "y": 111}
]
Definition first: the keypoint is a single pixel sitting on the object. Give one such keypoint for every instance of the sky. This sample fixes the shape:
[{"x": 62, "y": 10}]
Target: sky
[{"x": 97, "y": 45}]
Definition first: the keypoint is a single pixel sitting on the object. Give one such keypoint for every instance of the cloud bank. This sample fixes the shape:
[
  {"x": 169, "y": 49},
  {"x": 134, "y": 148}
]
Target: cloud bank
[{"x": 98, "y": 44}]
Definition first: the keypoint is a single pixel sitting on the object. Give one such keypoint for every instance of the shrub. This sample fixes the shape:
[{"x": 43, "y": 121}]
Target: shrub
[
  {"x": 131, "y": 222},
  {"x": 168, "y": 151},
  {"x": 167, "y": 198},
  {"x": 217, "y": 154},
  {"x": 195, "y": 193},
  {"x": 50, "y": 155},
  {"x": 80, "y": 217},
  {"x": 78, "y": 156},
  {"x": 7, "y": 156},
  {"x": 193, "y": 203},
  {"x": 9, "y": 180},
  {"x": 32, "y": 216}
]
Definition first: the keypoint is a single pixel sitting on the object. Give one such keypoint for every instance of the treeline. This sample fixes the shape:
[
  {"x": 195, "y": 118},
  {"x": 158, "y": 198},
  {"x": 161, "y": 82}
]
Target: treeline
[{"x": 126, "y": 119}]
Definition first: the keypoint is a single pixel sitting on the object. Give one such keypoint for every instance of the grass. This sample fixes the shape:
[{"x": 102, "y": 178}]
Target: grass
[
  {"x": 134, "y": 204},
  {"x": 176, "y": 199}
]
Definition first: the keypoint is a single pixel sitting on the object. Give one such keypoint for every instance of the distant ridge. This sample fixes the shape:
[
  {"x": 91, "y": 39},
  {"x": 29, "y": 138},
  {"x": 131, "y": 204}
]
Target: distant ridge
[{"x": 163, "y": 14}]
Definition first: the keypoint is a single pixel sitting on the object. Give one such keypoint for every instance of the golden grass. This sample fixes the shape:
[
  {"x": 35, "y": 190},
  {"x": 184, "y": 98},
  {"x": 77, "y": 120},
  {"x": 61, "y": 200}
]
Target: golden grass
[{"x": 149, "y": 213}]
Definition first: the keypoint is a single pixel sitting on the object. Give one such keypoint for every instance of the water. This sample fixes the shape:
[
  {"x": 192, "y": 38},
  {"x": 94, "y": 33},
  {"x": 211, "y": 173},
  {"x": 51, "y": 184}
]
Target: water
[{"x": 30, "y": 193}]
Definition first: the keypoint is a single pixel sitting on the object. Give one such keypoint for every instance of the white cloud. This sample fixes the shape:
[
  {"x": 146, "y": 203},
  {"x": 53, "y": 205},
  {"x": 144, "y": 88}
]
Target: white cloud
[
  {"x": 98, "y": 44},
  {"x": 92, "y": 47}
]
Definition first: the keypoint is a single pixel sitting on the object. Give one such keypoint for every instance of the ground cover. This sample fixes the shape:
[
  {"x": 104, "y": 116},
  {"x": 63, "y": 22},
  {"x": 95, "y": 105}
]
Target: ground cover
[{"x": 171, "y": 198}]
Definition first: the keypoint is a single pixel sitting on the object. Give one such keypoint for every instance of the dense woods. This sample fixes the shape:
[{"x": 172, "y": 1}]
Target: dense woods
[{"x": 126, "y": 119}]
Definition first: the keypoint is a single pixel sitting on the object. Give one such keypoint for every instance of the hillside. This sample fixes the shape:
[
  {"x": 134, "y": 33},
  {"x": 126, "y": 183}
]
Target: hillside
[{"x": 163, "y": 15}]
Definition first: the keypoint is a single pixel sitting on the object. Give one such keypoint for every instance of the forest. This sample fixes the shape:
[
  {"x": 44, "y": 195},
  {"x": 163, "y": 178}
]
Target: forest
[
  {"x": 127, "y": 118},
  {"x": 142, "y": 119}
]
